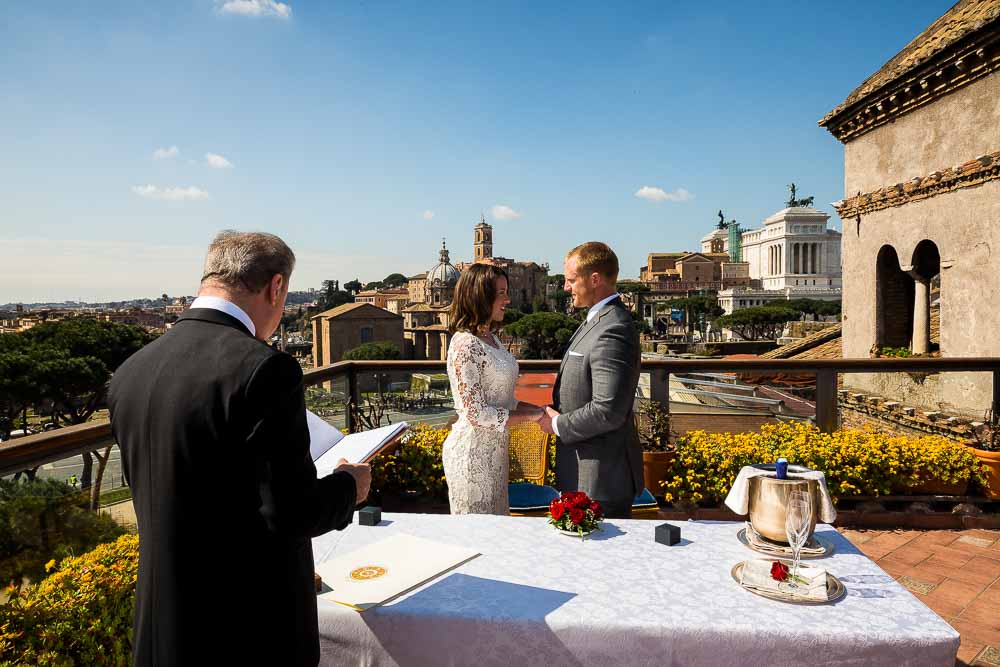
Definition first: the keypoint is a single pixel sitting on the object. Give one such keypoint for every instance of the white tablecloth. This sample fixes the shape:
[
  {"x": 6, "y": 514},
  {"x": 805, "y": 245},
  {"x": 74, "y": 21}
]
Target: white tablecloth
[{"x": 536, "y": 597}]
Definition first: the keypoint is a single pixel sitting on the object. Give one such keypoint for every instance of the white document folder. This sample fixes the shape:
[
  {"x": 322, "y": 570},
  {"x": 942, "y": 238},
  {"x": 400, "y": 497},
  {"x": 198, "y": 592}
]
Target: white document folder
[
  {"x": 379, "y": 572},
  {"x": 327, "y": 444}
]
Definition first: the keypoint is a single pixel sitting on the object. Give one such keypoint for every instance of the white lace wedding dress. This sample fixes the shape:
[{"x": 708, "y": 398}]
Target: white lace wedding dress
[{"x": 475, "y": 453}]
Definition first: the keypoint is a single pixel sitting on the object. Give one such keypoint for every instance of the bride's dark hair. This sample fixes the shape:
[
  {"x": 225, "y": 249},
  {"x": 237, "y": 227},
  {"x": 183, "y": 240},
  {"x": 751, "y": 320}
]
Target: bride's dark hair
[{"x": 475, "y": 292}]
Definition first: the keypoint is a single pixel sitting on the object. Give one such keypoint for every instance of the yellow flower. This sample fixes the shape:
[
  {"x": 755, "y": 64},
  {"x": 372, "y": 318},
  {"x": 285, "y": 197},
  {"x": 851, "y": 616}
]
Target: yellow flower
[{"x": 51, "y": 564}]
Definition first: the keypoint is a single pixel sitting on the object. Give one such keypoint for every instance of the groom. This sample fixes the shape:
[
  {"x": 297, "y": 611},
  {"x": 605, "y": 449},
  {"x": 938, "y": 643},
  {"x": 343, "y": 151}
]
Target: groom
[{"x": 597, "y": 447}]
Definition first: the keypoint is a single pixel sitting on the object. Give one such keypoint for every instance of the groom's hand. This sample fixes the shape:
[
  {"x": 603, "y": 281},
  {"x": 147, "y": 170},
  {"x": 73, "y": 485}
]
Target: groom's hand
[{"x": 545, "y": 421}]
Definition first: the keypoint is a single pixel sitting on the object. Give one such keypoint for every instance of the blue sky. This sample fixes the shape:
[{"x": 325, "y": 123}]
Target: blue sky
[{"x": 344, "y": 126}]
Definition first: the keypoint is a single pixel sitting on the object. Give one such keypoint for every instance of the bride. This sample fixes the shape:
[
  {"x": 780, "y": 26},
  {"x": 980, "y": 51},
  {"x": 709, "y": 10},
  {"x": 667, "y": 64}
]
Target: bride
[{"x": 482, "y": 375}]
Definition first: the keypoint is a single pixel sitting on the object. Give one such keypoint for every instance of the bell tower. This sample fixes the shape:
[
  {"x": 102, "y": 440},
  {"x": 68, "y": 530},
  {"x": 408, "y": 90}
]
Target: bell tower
[{"x": 483, "y": 246}]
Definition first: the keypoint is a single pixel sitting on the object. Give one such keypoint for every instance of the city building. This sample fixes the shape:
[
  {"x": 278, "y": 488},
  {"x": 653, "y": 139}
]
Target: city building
[
  {"x": 425, "y": 322},
  {"x": 527, "y": 281},
  {"x": 393, "y": 299},
  {"x": 146, "y": 319},
  {"x": 345, "y": 327},
  {"x": 922, "y": 194}
]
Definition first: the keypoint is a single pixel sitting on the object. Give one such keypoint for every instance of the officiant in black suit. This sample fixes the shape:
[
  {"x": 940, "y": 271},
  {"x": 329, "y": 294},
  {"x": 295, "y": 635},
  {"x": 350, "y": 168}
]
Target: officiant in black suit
[{"x": 211, "y": 423}]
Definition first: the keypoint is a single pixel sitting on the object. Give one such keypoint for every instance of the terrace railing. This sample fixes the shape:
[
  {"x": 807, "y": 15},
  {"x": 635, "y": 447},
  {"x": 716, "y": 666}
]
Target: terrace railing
[{"x": 30, "y": 452}]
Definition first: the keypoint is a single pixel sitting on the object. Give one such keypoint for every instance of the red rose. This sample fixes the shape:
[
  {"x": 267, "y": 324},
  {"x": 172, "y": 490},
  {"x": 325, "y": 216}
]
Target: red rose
[
  {"x": 576, "y": 515},
  {"x": 581, "y": 501},
  {"x": 557, "y": 509},
  {"x": 595, "y": 507},
  {"x": 779, "y": 571}
]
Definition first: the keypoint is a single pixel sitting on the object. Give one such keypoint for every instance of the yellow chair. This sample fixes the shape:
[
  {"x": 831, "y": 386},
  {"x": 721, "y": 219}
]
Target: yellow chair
[{"x": 529, "y": 461}]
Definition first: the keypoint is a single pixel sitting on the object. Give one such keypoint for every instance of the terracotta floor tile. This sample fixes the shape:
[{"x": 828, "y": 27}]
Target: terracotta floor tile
[
  {"x": 942, "y": 537},
  {"x": 909, "y": 555},
  {"x": 948, "y": 554},
  {"x": 942, "y": 606},
  {"x": 915, "y": 585},
  {"x": 856, "y": 537},
  {"x": 969, "y": 650},
  {"x": 986, "y": 612},
  {"x": 990, "y": 655},
  {"x": 976, "y": 631},
  {"x": 985, "y": 565},
  {"x": 972, "y": 545},
  {"x": 897, "y": 569},
  {"x": 933, "y": 573},
  {"x": 873, "y": 551},
  {"x": 892, "y": 540},
  {"x": 991, "y": 535},
  {"x": 956, "y": 592}
]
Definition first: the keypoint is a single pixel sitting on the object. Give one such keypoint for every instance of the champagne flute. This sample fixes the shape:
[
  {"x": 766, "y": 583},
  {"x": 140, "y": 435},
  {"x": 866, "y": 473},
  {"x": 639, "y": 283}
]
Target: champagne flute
[{"x": 798, "y": 519}]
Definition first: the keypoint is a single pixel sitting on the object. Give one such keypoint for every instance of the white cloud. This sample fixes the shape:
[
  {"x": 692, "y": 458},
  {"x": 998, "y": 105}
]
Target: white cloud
[
  {"x": 217, "y": 161},
  {"x": 501, "y": 212},
  {"x": 428, "y": 215},
  {"x": 165, "y": 153},
  {"x": 170, "y": 194},
  {"x": 655, "y": 194},
  {"x": 256, "y": 8}
]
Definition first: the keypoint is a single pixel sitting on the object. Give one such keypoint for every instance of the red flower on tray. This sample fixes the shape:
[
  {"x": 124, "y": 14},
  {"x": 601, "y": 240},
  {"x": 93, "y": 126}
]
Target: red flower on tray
[{"x": 575, "y": 512}]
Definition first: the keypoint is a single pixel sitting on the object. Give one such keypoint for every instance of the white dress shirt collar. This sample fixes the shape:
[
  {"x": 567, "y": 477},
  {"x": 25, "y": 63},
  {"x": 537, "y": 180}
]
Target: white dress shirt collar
[
  {"x": 596, "y": 308},
  {"x": 227, "y": 307}
]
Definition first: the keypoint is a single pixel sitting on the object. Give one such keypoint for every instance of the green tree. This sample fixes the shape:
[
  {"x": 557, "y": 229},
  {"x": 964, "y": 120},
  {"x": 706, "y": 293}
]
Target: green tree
[
  {"x": 80, "y": 355},
  {"x": 395, "y": 280},
  {"x": 543, "y": 335},
  {"x": 813, "y": 306},
  {"x": 758, "y": 322},
  {"x": 353, "y": 286},
  {"x": 373, "y": 351},
  {"x": 631, "y": 287},
  {"x": 46, "y": 519},
  {"x": 20, "y": 381}
]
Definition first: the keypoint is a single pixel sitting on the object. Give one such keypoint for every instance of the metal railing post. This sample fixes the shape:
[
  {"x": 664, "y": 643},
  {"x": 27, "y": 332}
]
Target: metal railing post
[
  {"x": 354, "y": 396},
  {"x": 826, "y": 401},
  {"x": 995, "y": 414}
]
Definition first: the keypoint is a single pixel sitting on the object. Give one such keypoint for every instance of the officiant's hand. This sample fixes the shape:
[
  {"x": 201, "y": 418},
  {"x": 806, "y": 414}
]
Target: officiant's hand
[
  {"x": 545, "y": 421},
  {"x": 362, "y": 474}
]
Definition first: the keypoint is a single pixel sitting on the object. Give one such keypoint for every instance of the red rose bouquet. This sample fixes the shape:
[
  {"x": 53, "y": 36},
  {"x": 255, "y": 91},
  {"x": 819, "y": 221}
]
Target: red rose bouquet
[{"x": 575, "y": 512}]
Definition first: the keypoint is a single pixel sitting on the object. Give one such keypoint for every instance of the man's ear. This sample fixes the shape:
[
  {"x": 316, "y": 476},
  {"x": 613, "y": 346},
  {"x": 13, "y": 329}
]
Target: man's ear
[{"x": 274, "y": 288}]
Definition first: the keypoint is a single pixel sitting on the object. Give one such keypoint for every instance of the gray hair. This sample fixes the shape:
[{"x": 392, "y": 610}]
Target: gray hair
[{"x": 247, "y": 260}]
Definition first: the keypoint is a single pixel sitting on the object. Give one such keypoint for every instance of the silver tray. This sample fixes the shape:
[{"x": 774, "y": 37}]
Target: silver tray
[
  {"x": 782, "y": 551},
  {"x": 835, "y": 589}
]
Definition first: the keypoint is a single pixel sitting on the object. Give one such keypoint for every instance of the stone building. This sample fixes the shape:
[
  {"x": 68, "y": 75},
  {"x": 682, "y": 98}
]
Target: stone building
[
  {"x": 343, "y": 328},
  {"x": 527, "y": 280},
  {"x": 416, "y": 288},
  {"x": 425, "y": 321},
  {"x": 922, "y": 205},
  {"x": 698, "y": 270},
  {"x": 794, "y": 248},
  {"x": 393, "y": 299}
]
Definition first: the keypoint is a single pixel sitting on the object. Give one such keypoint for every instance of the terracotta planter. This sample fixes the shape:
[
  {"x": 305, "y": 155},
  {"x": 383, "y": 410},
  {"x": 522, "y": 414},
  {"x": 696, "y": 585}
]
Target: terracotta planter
[
  {"x": 936, "y": 487},
  {"x": 654, "y": 469},
  {"x": 992, "y": 461}
]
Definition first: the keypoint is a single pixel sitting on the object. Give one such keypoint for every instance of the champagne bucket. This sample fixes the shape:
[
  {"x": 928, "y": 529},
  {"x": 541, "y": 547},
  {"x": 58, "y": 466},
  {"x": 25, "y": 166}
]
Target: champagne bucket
[{"x": 769, "y": 500}]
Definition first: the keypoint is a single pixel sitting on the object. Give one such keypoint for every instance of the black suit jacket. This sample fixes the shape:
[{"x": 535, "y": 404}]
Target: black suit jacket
[{"x": 212, "y": 429}]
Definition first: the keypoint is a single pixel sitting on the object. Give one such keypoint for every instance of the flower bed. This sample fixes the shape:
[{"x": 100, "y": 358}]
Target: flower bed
[
  {"x": 81, "y": 614},
  {"x": 856, "y": 463},
  {"x": 415, "y": 465}
]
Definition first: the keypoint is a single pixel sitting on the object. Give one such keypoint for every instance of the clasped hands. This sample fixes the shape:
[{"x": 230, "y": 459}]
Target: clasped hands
[{"x": 541, "y": 415}]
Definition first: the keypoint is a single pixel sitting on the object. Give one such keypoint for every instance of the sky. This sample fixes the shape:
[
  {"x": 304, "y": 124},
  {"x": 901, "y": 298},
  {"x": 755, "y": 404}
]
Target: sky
[{"x": 363, "y": 133}]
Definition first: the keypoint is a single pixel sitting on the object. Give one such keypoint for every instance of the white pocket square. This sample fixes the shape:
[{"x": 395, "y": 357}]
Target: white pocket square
[{"x": 574, "y": 353}]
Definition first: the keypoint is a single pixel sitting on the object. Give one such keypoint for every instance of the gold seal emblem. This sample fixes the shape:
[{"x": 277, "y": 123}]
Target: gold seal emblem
[{"x": 368, "y": 572}]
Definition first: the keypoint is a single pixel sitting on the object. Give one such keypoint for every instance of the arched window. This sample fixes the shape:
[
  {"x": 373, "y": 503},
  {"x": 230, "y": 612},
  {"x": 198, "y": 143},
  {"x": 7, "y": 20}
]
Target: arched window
[
  {"x": 926, "y": 273},
  {"x": 893, "y": 301}
]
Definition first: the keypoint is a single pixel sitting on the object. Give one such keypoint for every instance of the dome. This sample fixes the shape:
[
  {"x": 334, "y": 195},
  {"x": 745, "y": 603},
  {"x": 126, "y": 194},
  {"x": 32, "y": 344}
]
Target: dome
[{"x": 443, "y": 272}]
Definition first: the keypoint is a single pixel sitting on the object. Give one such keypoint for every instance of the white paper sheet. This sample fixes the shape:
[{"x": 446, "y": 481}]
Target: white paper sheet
[
  {"x": 328, "y": 445},
  {"x": 377, "y": 573}
]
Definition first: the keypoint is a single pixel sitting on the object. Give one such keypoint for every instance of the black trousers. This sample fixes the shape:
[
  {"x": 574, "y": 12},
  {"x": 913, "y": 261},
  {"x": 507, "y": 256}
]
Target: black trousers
[{"x": 617, "y": 509}]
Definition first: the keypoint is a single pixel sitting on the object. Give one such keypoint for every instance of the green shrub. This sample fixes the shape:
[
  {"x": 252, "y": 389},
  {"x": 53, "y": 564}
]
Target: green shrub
[
  {"x": 855, "y": 463},
  {"x": 415, "y": 465},
  {"x": 45, "y": 519},
  {"x": 80, "y": 615}
]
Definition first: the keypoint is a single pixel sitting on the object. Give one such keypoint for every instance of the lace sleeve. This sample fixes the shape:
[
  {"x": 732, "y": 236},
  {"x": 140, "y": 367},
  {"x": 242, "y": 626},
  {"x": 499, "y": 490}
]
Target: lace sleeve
[{"x": 470, "y": 363}]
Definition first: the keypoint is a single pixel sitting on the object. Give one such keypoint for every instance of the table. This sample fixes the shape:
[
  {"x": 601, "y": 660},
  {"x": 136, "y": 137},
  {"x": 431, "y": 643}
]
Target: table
[{"x": 537, "y": 597}]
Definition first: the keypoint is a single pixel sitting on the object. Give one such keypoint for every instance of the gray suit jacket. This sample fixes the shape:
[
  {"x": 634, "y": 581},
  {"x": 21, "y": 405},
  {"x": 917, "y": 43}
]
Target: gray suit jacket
[{"x": 598, "y": 450}]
